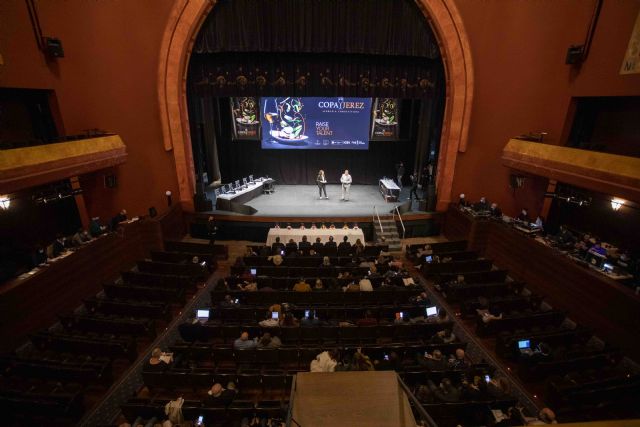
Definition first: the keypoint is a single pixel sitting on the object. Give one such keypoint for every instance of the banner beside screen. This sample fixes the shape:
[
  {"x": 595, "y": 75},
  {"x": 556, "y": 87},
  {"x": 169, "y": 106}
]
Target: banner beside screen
[
  {"x": 315, "y": 123},
  {"x": 385, "y": 120},
  {"x": 244, "y": 115}
]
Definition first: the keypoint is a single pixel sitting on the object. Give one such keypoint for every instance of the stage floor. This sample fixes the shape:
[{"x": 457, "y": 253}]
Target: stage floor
[{"x": 303, "y": 200}]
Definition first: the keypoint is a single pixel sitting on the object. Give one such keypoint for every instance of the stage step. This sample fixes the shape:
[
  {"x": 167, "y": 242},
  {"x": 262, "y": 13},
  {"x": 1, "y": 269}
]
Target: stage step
[{"x": 390, "y": 233}]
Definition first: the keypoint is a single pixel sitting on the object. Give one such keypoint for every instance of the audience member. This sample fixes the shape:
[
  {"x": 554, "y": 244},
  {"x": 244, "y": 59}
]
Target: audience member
[
  {"x": 220, "y": 397},
  {"x": 318, "y": 285},
  {"x": 212, "y": 230},
  {"x": 358, "y": 248},
  {"x": 95, "y": 229},
  {"x": 302, "y": 286},
  {"x": 434, "y": 361},
  {"x": 159, "y": 361},
  {"x": 458, "y": 360},
  {"x": 277, "y": 247},
  {"x": 291, "y": 247},
  {"x": 318, "y": 246},
  {"x": 330, "y": 245},
  {"x": 244, "y": 343},
  {"x": 344, "y": 249},
  {"x": 58, "y": 245},
  {"x": 276, "y": 259},
  {"x": 120, "y": 217},
  {"x": 80, "y": 238},
  {"x": 495, "y": 211},
  {"x": 446, "y": 392},
  {"x": 304, "y": 246},
  {"x": 268, "y": 341},
  {"x": 365, "y": 285},
  {"x": 523, "y": 215},
  {"x": 325, "y": 362}
]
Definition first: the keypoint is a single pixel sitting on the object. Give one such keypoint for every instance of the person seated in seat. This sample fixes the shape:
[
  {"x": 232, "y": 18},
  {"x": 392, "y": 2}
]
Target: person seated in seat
[
  {"x": 482, "y": 205},
  {"x": 288, "y": 319},
  {"x": 80, "y": 238},
  {"x": 314, "y": 254},
  {"x": 498, "y": 387},
  {"x": 219, "y": 397},
  {"x": 361, "y": 362},
  {"x": 264, "y": 251},
  {"x": 523, "y": 215},
  {"x": 358, "y": 248},
  {"x": 159, "y": 361},
  {"x": 276, "y": 259},
  {"x": 59, "y": 245},
  {"x": 244, "y": 343},
  {"x": 344, "y": 249},
  {"x": 325, "y": 362},
  {"x": 323, "y": 226},
  {"x": 95, "y": 228},
  {"x": 268, "y": 341},
  {"x": 313, "y": 226},
  {"x": 352, "y": 286},
  {"x": 446, "y": 336},
  {"x": 221, "y": 285},
  {"x": 304, "y": 246},
  {"x": 292, "y": 246},
  {"x": 495, "y": 211},
  {"x": 277, "y": 247},
  {"x": 116, "y": 220},
  {"x": 458, "y": 361},
  {"x": 318, "y": 285},
  {"x": 326, "y": 262},
  {"x": 318, "y": 247},
  {"x": 434, "y": 361},
  {"x": 302, "y": 227},
  {"x": 488, "y": 315},
  {"x": 442, "y": 317},
  {"x": 352, "y": 263},
  {"x": 365, "y": 285},
  {"x": 301, "y": 286},
  {"x": 332, "y": 226},
  {"x": 227, "y": 302},
  {"x": 462, "y": 201},
  {"x": 330, "y": 245},
  {"x": 474, "y": 390}
]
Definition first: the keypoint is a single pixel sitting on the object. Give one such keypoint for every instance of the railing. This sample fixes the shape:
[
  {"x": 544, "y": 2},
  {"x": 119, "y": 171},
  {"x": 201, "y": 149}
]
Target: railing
[
  {"x": 400, "y": 218},
  {"x": 425, "y": 418},
  {"x": 376, "y": 214},
  {"x": 290, "y": 421}
]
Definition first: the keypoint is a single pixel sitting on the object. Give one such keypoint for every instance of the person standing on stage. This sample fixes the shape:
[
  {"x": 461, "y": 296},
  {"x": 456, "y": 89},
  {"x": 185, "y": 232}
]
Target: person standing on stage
[
  {"x": 400, "y": 173},
  {"x": 322, "y": 184},
  {"x": 345, "y": 179},
  {"x": 414, "y": 186}
]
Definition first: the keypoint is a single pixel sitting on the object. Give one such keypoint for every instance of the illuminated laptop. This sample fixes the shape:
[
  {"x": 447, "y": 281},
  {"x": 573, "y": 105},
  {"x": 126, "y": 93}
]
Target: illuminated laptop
[
  {"x": 524, "y": 344},
  {"x": 202, "y": 315},
  {"x": 429, "y": 258},
  {"x": 253, "y": 271},
  {"x": 432, "y": 311},
  {"x": 275, "y": 315}
]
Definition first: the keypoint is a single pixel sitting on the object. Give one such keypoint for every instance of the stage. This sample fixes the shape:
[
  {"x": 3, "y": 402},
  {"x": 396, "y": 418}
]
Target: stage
[{"x": 303, "y": 201}]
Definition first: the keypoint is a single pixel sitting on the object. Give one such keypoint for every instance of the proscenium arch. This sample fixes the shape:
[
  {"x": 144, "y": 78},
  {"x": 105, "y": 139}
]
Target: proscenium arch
[{"x": 185, "y": 20}]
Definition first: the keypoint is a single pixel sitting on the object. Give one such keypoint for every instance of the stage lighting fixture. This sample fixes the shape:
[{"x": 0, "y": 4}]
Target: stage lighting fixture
[
  {"x": 5, "y": 202},
  {"x": 616, "y": 203}
]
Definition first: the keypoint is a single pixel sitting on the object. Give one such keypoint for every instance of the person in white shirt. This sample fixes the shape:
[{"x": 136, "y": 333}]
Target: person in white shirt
[
  {"x": 345, "y": 179},
  {"x": 365, "y": 285}
]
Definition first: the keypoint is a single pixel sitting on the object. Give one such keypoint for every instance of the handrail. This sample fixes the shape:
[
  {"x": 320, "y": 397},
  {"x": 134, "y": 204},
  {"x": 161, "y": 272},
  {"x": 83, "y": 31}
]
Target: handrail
[
  {"x": 400, "y": 217},
  {"x": 376, "y": 214},
  {"x": 428, "y": 421}
]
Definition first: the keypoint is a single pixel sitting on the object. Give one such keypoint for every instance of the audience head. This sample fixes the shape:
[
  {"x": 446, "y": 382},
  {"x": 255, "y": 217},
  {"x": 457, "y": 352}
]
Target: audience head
[
  {"x": 333, "y": 354},
  {"x": 156, "y": 353},
  {"x": 318, "y": 284},
  {"x": 345, "y": 238},
  {"x": 216, "y": 390},
  {"x": 346, "y": 171},
  {"x": 266, "y": 339},
  {"x": 195, "y": 260},
  {"x": 123, "y": 212},
  {"x": 326, "y": 261},
  {"x": 228, "y": 298},
  {"x": 244, "y": 336},
  {"x": 460, "y": 354},
  {"x": 210, "y": 219},
  {"x": 483, "y": 200},
  {"x": 318, "y": 240},
  {"x": 331, "y": 238},
  {"x": 547, "y": 416},
  {"x": 437, "y": 354},
  {"x": 304, "y": 238},
  {"x": 278, "y": 239},
  {"x": 291, "y": 241}
]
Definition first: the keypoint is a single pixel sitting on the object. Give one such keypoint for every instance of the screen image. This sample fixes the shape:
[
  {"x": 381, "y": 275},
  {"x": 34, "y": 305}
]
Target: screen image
[
  {"x": 244, "y": 115},
  {"x": 315, "y": 123},
  {"x": 384, "y": 123},
  {"x": 201, "y": 314}
]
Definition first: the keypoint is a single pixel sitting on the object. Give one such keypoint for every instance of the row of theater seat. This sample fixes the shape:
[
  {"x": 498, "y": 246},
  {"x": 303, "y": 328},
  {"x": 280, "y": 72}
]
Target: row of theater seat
[
  {"x": 524, "y": 319},
  {"x": 384, "y": 295},
  {"x": 67, "y": 359}
]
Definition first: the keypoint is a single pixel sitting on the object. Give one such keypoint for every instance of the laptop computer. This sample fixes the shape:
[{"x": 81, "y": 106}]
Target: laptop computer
[
  {"x": 524, "y": 344},
  {"x": 202, "y": 315},
  {"x": 275, "y": 315},
  {"x": 432, "y": 311},
  {"x": 253, "y": 271},
  {"x": 429, "y": 258}
]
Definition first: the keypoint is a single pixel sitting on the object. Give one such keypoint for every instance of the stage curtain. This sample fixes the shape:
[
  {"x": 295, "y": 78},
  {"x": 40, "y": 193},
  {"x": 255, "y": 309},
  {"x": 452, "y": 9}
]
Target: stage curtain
[{"x": 372, "y": 27}]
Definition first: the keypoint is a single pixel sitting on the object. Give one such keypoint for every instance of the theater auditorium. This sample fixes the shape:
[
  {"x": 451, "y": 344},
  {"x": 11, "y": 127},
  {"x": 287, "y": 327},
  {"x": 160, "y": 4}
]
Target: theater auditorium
[{"x": 300, "y": 213}]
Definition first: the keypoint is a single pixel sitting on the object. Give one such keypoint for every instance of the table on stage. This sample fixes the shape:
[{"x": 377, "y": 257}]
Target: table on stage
[
  {"x": 224, "y": 201},
  {"x": 296, "y": 234},
  {"x": 389, "y": 190}
]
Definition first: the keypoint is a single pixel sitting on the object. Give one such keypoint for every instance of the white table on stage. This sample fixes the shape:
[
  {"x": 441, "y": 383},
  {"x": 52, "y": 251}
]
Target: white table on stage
[
  {"x": 389, "y": 189},
  {"x": 296, "y": 234}
]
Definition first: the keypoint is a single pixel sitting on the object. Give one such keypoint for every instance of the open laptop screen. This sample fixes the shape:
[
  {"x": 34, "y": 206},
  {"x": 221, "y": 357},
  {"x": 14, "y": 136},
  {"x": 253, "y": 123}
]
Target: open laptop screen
[
  {"x": 432, "y": 311},
  {"x": 524, "y": 344}
]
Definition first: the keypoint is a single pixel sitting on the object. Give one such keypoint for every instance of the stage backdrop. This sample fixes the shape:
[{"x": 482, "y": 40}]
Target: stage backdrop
[{"x": 306, "y": 48}]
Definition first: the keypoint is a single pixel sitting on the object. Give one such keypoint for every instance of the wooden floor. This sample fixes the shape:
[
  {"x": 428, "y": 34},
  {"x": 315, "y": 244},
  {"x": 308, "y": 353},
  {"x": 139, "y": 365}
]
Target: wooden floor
[{"x": 350, "y": 399}]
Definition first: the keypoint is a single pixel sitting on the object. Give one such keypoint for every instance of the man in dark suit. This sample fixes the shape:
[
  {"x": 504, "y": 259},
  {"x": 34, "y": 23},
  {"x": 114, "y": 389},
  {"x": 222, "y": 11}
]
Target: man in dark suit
[
  {"x": 304, "y": 246},
  {"x": 495, "y": 211},
  {"x": 344, "y": 249},
  {"x": 277, "y": 247},
  {"x": 318, "y": 247},
  {"x": 291, "y": 247},
  {"x": 330, "y": 248}
]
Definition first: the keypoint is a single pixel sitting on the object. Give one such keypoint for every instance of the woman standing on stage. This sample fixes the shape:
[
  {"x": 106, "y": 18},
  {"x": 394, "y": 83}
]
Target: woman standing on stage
[{"x": 322, "y": 184}]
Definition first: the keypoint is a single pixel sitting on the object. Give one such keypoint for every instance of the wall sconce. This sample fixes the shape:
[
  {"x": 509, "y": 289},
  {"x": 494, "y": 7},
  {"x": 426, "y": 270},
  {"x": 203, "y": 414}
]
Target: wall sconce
[
  {"x": 168, "y": 194},
  {"x": 5, "y": 201},
  {"x": 616, "y": 204}
]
